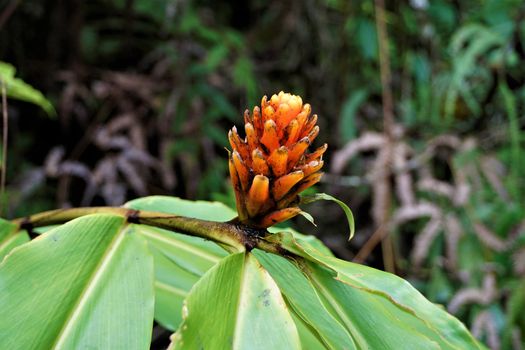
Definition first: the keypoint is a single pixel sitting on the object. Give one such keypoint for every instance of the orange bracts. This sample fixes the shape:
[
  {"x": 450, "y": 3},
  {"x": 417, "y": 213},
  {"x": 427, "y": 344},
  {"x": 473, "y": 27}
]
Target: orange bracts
[{"x": 272, "y": 165}]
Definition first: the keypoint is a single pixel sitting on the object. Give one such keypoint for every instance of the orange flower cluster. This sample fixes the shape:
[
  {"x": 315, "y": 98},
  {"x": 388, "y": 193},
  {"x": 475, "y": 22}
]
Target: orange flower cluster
[{"x": 272, "y": 165}]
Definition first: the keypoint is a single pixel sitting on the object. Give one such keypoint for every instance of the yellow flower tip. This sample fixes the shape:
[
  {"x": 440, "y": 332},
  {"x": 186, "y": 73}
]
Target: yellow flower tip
[
  {"x": 242, "y": 170},
  {"x": 278, "y": 161},
  {"x": 312, "y": 167},
  {"x": 279, "y": 216},
  {"x": 285, "y": 183},
  {"x": 317, "y": 154},
  {"x": 313, "y": 134},
  {"x": 268, "y": 113},
  {"x": 307, "y": 109},
  {"x": 259, "y": 163},
  {"x": 297, "y": 151},
  {"x": 270, "y": 138},
  {"x": 272, "y": 165},
  {"x": 251, "y": 136},
  {"x": 258, "y": 195},
  {"x": 309, "y": 181}
]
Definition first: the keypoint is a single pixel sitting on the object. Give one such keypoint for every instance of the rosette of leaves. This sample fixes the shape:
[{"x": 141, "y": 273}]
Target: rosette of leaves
[{"x": 99, "y": 277}]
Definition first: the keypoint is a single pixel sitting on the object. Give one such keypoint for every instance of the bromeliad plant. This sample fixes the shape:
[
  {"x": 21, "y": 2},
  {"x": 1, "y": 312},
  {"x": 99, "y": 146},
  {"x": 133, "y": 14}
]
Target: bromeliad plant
[{"x": 98, "y": 277}]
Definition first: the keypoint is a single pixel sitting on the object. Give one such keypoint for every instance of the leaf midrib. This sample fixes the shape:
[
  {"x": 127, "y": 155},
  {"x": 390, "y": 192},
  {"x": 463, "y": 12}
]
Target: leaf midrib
[
  {"x": 90, "y": 287},
  {"x": 172, "y": 289},
  {"x": 242, "y": 296}
]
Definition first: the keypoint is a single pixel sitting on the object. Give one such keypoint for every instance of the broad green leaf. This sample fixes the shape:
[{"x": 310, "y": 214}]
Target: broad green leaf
[
  {"x": 372, "y": 320},
  {"x": 309, "y": 340},
  {"x": 10, "y": 237},
  {"x": 87, "y": 284},
  {"x": 246, "y": 300},
  {"x": 179, "y": 260},
  {"x": 427, "y": 317},
  {"x": 18, "y": 89},
  {"x": 304, "y": 300},
  {"x": 179, "y": 264}
]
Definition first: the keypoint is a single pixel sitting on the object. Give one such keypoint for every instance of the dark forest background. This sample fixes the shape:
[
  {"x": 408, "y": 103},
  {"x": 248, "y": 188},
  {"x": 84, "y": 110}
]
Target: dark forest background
[{"x": 422, "y": 104}]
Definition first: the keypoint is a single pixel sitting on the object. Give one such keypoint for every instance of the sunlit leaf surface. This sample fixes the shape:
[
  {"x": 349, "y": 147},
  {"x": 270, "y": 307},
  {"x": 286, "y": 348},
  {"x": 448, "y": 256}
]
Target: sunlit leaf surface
[
  {"x": 248, "y": 303},
  {"x": 180, "y": 260},
  {"x": 87, "y": 284}
]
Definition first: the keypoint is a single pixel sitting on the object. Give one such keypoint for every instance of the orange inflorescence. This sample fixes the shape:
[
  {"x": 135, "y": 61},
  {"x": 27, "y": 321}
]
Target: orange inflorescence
[{"x": 272, "y": 165}]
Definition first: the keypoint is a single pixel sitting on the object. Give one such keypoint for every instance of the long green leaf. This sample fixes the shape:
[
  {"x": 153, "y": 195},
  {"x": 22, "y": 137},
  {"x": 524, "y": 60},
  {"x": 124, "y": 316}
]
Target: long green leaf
[
  {"x": 309, "y": 340},
  {"x": 305, "y": 301},
  {"x": 179, "y": 263},
  {"x": 87, "y": 284},
  {"x": 179, "y": 260},
  {"x": 373, "y": 321},
  {"x": 244, "y": 298},
  {"x": 434, "y": 321}
]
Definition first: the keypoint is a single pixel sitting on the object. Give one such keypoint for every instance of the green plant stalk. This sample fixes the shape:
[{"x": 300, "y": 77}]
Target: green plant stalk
[{"x": 233, "y": 236}]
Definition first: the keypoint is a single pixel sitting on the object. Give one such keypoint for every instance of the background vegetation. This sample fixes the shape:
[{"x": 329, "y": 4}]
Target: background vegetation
[{"x": 144, "y": 92}]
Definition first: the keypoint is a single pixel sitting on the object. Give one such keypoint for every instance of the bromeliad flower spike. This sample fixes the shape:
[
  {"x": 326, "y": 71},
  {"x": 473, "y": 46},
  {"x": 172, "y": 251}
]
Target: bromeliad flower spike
[{"x": 272, "y": 164}]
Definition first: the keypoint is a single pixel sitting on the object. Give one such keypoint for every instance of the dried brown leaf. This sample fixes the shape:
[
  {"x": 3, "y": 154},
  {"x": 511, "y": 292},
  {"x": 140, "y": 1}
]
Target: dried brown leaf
[
  {"x": 424, "y": 241},
  {"x": 368, "y": 141},
  {"x": 484, "y": 295}
]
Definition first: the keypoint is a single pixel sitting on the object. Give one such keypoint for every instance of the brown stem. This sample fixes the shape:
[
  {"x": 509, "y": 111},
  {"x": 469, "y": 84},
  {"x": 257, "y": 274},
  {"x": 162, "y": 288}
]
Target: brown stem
[
  {"x": 4, "y": 145},
  {"x": 388, "y": 127},
  {"x": 231, "y": 235}
]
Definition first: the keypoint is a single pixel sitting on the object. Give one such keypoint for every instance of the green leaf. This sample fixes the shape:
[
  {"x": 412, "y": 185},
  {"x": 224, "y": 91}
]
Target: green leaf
[
  {"x": 309, "y": 340},
  {"x": 323, "y": 196},
  {"x": 18, "y": 89},
  {"x": 10, "y": 237},
  {"x": 236, "y": 305},
  {"x": 403, "y": 301},
  {"x": 85, "y": 284},
  {"x": 304, "y": 300},
  {"x": 373, "y": 321},
  {"x": 179, "y": 260}
]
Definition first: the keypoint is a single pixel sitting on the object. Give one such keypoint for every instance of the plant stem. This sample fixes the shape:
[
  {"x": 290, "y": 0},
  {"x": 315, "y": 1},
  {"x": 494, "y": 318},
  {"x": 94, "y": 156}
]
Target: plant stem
[
  {"x": 388, "y": 127},
  {"x": 5, "y": 129},
  {"x": 233, "y": 236}
]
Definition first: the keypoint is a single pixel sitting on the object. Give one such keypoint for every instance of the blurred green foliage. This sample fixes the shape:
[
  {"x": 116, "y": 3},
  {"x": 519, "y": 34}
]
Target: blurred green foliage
[
  {"x": 18, "y": 89},
  {"x": 186, "y": 70}
]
